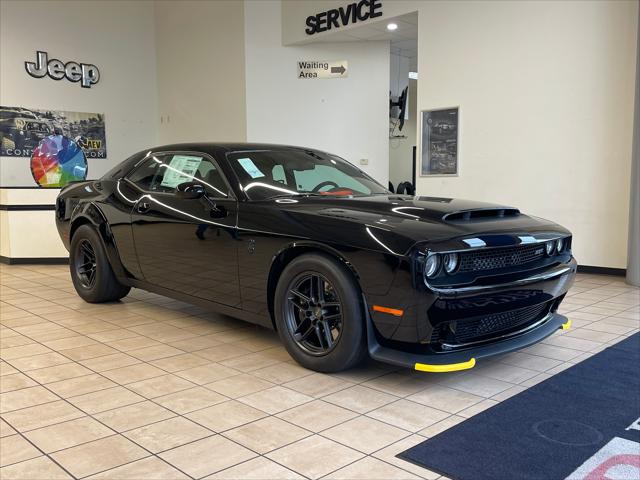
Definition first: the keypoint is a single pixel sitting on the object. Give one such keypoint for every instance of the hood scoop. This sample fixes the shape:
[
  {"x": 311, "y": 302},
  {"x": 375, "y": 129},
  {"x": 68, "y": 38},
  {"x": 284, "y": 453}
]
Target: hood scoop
[{"x": 481, "y": 214}]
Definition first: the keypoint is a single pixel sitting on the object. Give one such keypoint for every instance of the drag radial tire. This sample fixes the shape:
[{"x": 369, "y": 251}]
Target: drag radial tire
[
  {"x": 91, "y": 272},
  {"x": 319, "y": 314}
]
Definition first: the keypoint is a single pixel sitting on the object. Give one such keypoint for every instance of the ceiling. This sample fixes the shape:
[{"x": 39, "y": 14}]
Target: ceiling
[{"x": 404, "y": 40}]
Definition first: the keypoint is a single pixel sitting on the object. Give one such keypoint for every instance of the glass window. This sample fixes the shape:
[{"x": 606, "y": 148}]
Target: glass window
[
  {"x": 163, "y": 173},
  {"x": 145, "y": 174},
  {"x": 267, "y": 174}
]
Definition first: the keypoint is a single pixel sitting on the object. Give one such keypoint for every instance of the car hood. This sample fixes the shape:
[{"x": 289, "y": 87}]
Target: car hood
[{"x": 397, "y": 222}]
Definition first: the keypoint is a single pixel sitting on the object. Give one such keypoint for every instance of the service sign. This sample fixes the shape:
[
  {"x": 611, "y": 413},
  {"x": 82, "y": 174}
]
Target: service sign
[
  {"x": 22, "y": 129},
  {"x": 355, "y": 12},
  {"x": 309, "y": 69}
]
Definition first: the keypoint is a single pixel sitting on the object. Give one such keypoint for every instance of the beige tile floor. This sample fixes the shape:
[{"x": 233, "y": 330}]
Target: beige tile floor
[{"x": 151, "y": 388}]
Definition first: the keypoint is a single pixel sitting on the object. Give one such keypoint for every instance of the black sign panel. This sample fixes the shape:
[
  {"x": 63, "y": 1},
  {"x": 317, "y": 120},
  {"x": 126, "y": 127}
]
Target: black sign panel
[{"x": 343, "y": 16}]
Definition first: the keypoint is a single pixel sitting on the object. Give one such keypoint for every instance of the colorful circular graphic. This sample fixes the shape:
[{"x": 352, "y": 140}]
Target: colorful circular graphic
[{"x": 58, "y": 160}]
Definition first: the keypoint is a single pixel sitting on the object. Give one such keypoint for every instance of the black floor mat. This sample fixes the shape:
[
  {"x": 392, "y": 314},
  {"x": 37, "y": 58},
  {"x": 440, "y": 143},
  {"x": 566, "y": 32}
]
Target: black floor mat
[{"x": 579, "y": 423}]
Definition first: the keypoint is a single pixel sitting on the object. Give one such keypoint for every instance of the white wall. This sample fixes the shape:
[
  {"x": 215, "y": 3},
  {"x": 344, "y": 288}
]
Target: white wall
[
  {"x": 118, "y": 37},
  {"x": 348, "y": 116},
  {"x": 201, "y": 81},
  {"x": 546, "y": 94}
]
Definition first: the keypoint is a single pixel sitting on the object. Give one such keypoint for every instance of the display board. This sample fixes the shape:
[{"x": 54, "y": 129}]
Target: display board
[
  {"x": 439, "y": 142},
  {"x": 22, "y": 129}
]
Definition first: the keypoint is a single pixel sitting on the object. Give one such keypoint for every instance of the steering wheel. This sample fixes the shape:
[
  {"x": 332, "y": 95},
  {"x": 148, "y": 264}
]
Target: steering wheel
[{"x": 317, "y": 188}]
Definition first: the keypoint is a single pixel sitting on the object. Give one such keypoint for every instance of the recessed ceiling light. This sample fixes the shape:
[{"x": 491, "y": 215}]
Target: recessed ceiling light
[{"x": 392, "y": 26}]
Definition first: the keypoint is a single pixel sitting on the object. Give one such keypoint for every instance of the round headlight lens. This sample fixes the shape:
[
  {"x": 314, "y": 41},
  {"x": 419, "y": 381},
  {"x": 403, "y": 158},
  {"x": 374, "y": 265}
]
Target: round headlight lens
[
  {"x": 432, "y": 265},
  {"x": 559, "y": 244},
  {"x": 550, "y": 247},
  {"x": 450, "y": 262}
]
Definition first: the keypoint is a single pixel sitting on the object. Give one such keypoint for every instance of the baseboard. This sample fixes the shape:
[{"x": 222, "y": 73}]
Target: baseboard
[
  {"x": 34, "y": 260},
  {"x": 619, "y": 272},
  {"x": 27, "y": 208}
]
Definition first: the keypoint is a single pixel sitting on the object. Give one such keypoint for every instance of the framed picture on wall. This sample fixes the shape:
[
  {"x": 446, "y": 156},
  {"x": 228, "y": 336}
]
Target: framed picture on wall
[{"x": 439, "y": 142}]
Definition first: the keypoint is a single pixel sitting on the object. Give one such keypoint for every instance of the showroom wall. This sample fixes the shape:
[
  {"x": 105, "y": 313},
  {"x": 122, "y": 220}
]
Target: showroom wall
[
  {"x": 546, "y": 91},
  {"x": 201, "y": 80},
  {"x": 83, "y": 31},
  {"x": 546, "y": 119},
  {"x": 346, "y": 116},
  {"x": 546, "y": 94}
]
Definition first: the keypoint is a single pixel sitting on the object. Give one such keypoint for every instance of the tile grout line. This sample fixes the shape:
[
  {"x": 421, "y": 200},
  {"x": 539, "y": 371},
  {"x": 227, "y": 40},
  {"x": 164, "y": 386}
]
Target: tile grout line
[{"x": 350, "y": 384}]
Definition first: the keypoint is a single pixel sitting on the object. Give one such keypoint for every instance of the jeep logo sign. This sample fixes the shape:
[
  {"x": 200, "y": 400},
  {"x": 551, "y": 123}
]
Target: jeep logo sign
[{"x": 85, "y": 73}]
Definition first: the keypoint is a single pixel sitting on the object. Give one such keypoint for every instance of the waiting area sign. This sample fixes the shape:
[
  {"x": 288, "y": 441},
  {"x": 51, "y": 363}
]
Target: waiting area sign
[{"x": 321, "y": 69}]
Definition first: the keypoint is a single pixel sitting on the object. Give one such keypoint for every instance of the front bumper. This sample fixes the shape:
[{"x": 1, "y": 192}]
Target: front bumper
[
  {"x": 458, "y": 304},
  {"x": 462, "y": 360}
]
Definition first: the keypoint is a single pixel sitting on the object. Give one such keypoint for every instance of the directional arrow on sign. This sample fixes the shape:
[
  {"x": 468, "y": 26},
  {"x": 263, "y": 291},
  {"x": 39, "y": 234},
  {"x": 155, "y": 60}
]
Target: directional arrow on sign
[{"x": 339, "y": 69}]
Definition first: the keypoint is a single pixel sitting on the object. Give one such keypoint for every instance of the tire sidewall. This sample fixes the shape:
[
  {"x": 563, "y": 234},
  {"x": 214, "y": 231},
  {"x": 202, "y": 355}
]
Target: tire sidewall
[
  {"x": 88, "y": 233},
  {"x": 351, "y": 341}
]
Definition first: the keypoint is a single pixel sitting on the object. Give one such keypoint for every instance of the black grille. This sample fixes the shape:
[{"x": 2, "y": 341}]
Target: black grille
[
  {"x": 495, "y": 258},
  {"x": 486, "y": 326}
]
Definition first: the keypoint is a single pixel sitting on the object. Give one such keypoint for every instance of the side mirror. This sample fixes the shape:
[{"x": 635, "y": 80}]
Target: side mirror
[{"x": 190, "y": 190}]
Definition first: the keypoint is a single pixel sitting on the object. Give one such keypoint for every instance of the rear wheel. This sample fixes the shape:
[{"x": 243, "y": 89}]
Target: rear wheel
[
  {"x": 91, "y": 272},
  {"x": 319, "y": 314}
]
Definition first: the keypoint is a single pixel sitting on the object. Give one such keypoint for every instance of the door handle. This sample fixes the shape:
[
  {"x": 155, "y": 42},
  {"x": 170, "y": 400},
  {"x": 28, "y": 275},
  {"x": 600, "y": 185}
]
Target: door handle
[{"x": 143, "y": 207}]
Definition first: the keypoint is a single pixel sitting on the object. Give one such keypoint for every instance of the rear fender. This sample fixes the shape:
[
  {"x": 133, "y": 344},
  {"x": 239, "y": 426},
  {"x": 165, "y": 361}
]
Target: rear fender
[{"x": 90, "y": 213}]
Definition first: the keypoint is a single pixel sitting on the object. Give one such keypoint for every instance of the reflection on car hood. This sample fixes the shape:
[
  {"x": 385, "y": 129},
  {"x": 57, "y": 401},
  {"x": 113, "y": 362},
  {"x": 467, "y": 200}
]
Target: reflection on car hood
[{"x": 399, "y": 221}]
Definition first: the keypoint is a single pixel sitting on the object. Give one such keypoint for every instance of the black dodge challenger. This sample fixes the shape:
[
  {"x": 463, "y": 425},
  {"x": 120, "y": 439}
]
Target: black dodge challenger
[{"x": 302, "y": 241}]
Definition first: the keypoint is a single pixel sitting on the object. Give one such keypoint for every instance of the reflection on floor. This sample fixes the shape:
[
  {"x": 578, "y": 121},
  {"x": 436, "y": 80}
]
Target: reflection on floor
[{"x": 154, "y": 388}]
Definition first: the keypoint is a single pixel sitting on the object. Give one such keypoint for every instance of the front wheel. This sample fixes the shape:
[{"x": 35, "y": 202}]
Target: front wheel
[
  {"x": 91, "y": 272},
  {"x": 319, "y": 314}
]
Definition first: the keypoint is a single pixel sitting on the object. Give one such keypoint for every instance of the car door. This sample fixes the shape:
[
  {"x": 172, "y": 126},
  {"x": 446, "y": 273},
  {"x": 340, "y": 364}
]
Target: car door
[{"x": 188, "y": 245}]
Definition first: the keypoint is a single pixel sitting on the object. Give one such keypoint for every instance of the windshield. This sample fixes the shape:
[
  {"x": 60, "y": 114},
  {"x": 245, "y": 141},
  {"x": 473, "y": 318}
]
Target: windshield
[{"x": 267, "y": 174}]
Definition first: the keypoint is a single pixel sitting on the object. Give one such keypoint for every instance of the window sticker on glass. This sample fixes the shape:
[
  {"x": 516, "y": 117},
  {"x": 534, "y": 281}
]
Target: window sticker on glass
[
  {"x": 181, "y": 169},
  {"x": 250, "y": 167}
]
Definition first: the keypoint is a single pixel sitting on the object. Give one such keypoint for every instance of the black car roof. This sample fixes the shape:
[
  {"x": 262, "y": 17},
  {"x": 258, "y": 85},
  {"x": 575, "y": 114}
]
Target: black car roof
[
  {"x": 225, "y": 147},
  {"x": 215, "y": 149}
]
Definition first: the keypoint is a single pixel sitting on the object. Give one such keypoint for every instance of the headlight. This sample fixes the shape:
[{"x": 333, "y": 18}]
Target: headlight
[
  {"x": 432, "y": 265},
  {"x": 550, "y": 247},
  {"x": 450, "y": 262},
  {"x": 559, "y": 245}
]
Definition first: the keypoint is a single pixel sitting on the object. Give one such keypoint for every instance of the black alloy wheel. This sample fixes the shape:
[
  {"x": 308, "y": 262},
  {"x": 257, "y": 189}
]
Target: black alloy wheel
[
  {"x": 319, "y": 313},
  {"x": 85, "y": 264},
  {"x": 314, "y": 314},
  {"x": 91, "y": 272}
]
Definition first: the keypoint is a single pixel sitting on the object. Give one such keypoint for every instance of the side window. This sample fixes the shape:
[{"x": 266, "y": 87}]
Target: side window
[
  {"x": 145, "y": 174},
  {"x": 163, "y": 173},
  {"x": 211, "y": 176}
]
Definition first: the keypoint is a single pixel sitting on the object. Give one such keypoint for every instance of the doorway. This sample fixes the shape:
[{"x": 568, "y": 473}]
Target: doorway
[{"x": 403, "y": 115}]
